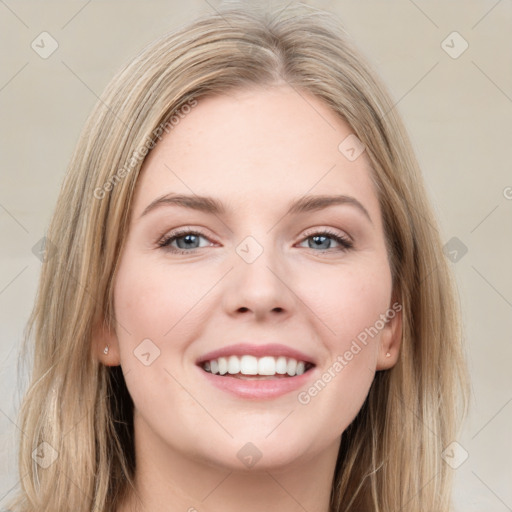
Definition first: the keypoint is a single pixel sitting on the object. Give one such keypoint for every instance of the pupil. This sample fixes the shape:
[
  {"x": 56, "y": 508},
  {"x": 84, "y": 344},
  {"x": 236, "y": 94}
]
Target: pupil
[
  {"x": 186, "y": 239},
  {"x": 317, "y": 238}
]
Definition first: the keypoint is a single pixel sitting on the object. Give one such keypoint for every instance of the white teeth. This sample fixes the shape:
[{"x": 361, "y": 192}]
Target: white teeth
[
  {"x": 267, "y": 366},
  {"x": 251, "y": 365},
  {"x": 223, "y": 365},
  {"x": 233, "y": 365},
  {"x": 290, "y": 368},
  {"x": 248, "y": 365},
  {"x": 281, "y": 365}
]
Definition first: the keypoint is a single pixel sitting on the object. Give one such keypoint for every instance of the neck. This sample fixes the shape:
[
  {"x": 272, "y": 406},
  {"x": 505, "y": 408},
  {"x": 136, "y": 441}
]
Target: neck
[{"x": 169, "y": 480}]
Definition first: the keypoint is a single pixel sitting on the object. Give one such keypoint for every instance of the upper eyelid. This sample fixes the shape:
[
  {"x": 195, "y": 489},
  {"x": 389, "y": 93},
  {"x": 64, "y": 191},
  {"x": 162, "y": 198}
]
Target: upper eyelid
[
  {"x": 330, "y": 231},
  {"x": 307, "y": 232}
]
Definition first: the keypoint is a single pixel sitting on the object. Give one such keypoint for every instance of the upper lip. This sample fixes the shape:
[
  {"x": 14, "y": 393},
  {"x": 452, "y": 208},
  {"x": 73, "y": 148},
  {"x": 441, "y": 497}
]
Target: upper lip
[{"x": 270, "y": 349}]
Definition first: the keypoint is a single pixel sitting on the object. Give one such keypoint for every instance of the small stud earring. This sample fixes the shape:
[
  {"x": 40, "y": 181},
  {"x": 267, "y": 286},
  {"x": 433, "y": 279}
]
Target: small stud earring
[
  {"x": 105, "y": 350},
  {"x": 388, "y": 354}
]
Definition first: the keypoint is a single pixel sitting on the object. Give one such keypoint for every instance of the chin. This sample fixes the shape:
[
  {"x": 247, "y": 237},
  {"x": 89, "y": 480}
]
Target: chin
[{"x": 258, "y": 453}]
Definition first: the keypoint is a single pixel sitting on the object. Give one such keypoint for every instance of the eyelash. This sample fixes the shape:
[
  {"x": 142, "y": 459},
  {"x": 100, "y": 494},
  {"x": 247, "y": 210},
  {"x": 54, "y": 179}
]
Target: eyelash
[{"x": 164, "y": 243}]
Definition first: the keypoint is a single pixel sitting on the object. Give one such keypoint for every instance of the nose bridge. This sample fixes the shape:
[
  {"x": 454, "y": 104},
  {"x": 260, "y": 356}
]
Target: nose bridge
[{"x": 259, "y": 278}]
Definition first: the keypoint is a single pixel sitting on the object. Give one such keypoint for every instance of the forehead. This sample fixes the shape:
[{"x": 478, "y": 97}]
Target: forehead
[{"x": 257, "y": 147}]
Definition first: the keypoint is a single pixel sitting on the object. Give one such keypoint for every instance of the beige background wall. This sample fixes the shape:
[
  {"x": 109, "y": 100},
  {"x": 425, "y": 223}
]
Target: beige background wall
[{"x": 458, "y": 111}]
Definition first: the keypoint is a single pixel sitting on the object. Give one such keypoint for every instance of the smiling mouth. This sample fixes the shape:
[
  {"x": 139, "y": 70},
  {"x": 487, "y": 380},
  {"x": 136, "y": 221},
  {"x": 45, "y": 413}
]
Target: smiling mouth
[{"x": 249, "y": 367}]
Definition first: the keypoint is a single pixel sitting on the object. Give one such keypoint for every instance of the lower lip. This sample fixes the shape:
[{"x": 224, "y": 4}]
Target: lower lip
[{"x": 258, "y": 389}]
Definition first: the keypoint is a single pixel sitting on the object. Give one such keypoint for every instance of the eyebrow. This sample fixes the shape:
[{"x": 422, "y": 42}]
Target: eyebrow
[{"x": 210, "y": 205}]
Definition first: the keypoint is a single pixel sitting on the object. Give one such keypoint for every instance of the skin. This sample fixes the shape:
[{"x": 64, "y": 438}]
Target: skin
[{"x": 255, "y": 150}]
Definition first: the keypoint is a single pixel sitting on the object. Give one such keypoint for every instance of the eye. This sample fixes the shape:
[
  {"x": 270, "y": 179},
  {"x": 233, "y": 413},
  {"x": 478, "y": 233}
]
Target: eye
[
  {"x": 323, "y": 240},
  {"x": 186, "y": 240}
]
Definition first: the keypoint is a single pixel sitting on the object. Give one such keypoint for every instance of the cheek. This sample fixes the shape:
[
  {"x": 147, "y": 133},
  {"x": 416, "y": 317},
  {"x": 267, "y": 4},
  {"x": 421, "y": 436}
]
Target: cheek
[
  {"x": 348, "y": 310},
  {"x": 150, "y": 300},
  {"x": 158, "y": 312},
  {"x": 147, "y": 307},
  {"x": 348, "y": 301}
]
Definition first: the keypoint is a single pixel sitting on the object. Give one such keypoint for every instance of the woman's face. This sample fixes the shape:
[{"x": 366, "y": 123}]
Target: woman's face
[{"x": 258, "y": 269}]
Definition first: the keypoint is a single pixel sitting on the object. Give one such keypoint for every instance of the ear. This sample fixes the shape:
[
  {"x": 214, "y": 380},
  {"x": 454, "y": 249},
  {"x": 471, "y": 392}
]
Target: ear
[
  {"x": 391, "y": 337},
  {"x": 105, "y": 345}
]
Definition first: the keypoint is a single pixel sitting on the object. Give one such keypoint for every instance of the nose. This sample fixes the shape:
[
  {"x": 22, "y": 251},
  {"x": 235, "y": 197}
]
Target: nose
[{"x": 260, "y": 289}]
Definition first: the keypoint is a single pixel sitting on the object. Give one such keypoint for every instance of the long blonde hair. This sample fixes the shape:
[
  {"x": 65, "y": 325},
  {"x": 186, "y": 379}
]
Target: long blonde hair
[{"x": 390, "y": 456}]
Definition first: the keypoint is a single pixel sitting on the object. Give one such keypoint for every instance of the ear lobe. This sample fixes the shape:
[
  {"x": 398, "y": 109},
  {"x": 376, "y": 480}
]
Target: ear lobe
[
  {"x": 391, "y": 338},
  {"x": 105, "y": 346}
]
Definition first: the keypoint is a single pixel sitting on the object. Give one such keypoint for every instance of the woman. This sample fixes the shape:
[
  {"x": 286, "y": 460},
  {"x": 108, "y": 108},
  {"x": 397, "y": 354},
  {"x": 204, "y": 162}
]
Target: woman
[{"x": 306, "y": 353}]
